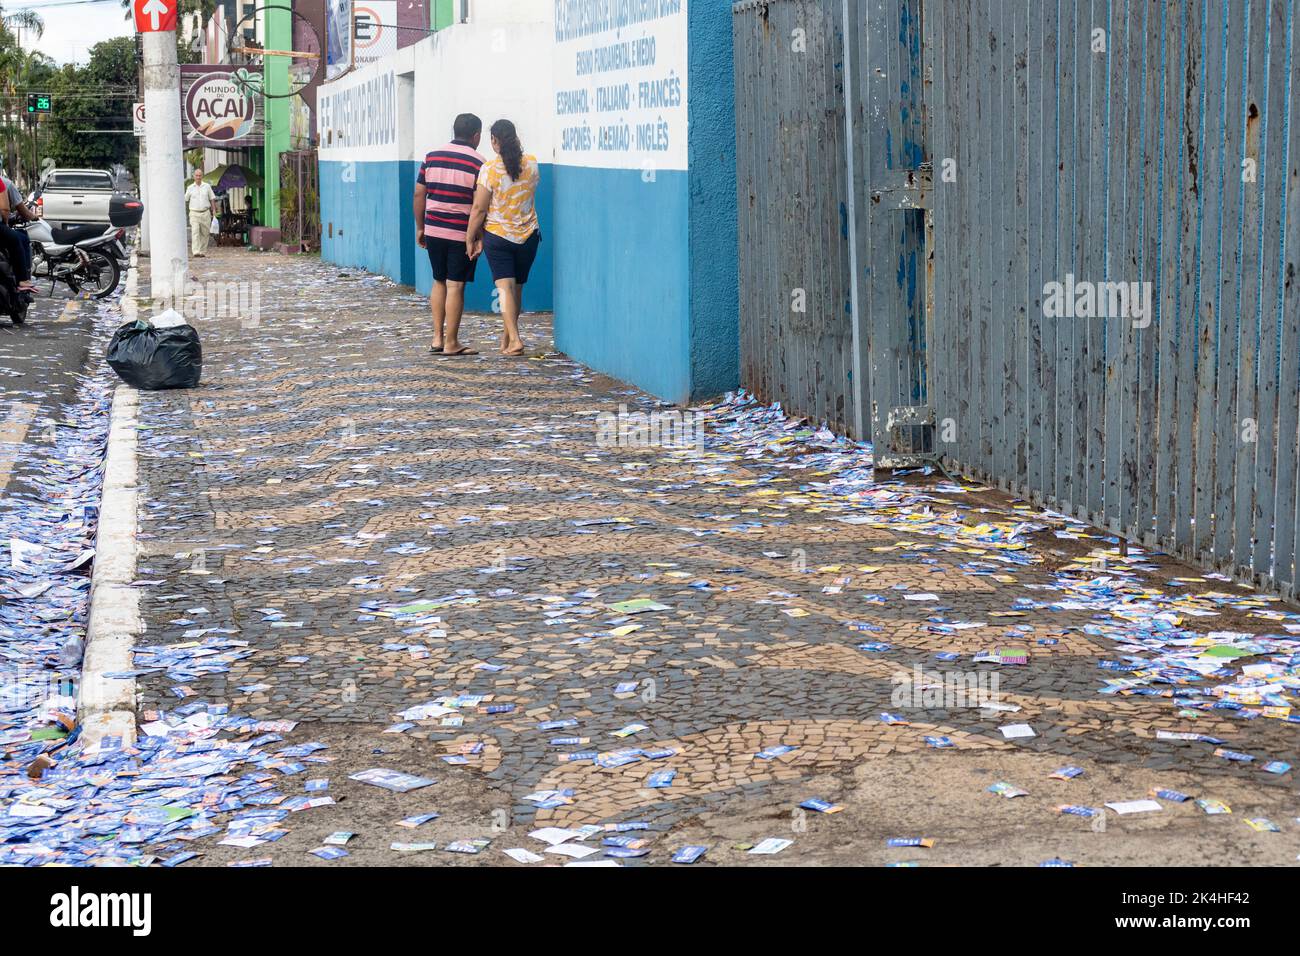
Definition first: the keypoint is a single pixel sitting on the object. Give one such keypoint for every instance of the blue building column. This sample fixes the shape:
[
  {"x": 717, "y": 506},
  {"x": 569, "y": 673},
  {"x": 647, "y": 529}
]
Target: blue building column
[
  {"x": 714, "y": 283},
  {"x": 645, "y": 198}
]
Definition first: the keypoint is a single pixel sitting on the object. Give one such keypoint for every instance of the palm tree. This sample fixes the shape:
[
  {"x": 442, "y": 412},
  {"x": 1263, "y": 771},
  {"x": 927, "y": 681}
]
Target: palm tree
[
  {"x": 11, "y": 52},
  {"x": 13, "y": 58},
  {"x": 16, "y": 66},
  {"x": 26, "y": 20}
]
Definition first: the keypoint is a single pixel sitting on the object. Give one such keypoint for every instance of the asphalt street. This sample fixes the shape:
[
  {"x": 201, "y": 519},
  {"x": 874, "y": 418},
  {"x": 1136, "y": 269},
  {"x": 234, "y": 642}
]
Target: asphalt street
[{"x": 40, "y": 365}]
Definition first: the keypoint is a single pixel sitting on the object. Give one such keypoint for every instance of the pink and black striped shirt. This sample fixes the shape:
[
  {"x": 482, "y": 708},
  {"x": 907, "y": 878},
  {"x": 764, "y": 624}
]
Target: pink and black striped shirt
[{"x": 449, "y": 175}]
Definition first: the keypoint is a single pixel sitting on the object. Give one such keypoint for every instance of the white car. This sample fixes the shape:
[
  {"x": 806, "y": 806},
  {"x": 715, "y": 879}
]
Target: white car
[{"x": 75, "y": 196}]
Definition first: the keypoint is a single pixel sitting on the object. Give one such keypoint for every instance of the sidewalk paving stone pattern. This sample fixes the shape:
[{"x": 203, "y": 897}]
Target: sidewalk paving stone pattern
[{"x": 456, "y": 621}]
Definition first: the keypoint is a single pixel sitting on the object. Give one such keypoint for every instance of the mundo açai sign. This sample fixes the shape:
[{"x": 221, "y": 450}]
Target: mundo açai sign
[{"x": 221, "y": 106}]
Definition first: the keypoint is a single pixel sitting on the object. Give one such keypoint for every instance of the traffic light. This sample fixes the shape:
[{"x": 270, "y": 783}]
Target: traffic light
[{"x": 38, "y": 102}]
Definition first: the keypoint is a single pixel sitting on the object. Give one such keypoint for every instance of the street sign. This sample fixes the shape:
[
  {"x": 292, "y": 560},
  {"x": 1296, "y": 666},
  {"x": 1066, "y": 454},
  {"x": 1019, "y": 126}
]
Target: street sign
[
  {"x": 154, "y": 16},
  {"x": 38, "y": 102},
  {"x": 374, "y": 28},
  {"x": 137, "y": 119},
  {"x": 219, "y": 106}
]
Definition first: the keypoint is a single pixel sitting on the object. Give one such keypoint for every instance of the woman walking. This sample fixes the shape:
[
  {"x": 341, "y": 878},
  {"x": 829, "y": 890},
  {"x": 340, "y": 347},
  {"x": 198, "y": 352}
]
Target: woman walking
[{"x": 503, "y": 224}]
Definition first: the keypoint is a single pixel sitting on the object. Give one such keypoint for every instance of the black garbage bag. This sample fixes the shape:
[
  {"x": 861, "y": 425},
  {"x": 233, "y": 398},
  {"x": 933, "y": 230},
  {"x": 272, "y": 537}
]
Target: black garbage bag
[{"x": 151, "y": 358}]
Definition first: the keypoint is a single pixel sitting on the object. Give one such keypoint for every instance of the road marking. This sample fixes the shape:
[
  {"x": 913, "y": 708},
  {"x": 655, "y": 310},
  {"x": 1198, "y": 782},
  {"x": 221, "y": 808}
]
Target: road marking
[
  {"x": 13, "y": 431},
  {"x": 71, "y": 309}
]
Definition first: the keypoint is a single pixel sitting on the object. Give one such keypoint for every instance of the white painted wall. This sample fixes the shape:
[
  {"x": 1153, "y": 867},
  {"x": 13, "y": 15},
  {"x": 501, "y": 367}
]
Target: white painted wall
[
  {"x": 621, "y": 93},
  {"x": 510, "y": 11},
  {"x": 492, "y": 70},
  {"x": 357, "y": 118}
]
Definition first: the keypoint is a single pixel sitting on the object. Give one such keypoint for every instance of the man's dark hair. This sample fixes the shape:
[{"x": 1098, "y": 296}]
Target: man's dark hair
[{"x": 467, "y": 126}]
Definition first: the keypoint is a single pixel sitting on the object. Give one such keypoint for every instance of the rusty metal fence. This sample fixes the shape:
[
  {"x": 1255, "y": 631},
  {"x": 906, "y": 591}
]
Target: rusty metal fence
[
  {"x": 1118, "y": 329},
  {"x": 796, "y": 330},
  {"x": 1057, "y": 239},
  {"x": 832, "y": 176}
]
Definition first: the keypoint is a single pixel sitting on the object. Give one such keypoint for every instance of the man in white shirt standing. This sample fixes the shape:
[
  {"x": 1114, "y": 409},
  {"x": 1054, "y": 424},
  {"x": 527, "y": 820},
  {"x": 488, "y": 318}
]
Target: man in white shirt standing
[{"x": 201, "y": 202}]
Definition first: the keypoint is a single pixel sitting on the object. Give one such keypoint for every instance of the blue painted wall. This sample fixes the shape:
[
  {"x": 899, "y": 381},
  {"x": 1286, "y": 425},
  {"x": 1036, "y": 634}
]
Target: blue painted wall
[
  {"x": 714, "y": 272},
  {"x": 359, "y": 201},
  {"x": 621, "y": 294},
  {"x": 646, "y": 275},
  {"x": 374, "y": 211},
  {"x": 641, "y": 273}
]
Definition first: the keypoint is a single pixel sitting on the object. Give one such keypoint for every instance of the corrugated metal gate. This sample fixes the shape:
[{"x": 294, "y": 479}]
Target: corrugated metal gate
[
  {"x": 796, "y": 330},
  {"x": 1105, "y": 142},
  {"x": 830, "y": 234},
  {"x": 1089, "y": 157}
]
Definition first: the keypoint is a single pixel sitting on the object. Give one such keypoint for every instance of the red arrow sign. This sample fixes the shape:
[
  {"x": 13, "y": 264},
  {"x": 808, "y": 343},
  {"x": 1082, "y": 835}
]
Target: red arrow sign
[{"x": 154, "y": 16}]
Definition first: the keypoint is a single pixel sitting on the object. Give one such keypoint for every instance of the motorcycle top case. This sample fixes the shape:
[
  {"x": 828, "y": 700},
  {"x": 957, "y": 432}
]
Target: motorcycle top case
[
  {"x": 125, "y": 211},
  {"x": 152, "y": 358}
]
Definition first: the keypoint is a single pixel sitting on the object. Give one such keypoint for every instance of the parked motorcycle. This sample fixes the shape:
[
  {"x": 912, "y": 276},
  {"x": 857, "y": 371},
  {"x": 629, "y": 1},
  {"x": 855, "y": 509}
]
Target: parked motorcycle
[
  {"x": 85, "y": 258},
  {"x": 81, "y": 257}
]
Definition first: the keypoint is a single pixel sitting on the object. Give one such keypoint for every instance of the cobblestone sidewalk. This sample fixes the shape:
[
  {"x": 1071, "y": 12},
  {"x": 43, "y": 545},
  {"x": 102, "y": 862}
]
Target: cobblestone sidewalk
[{"x": 330, "y": 470}]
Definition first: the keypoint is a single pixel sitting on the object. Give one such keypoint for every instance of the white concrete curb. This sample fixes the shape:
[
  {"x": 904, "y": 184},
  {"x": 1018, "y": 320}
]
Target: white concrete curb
[{"x": 106, "y": 706}]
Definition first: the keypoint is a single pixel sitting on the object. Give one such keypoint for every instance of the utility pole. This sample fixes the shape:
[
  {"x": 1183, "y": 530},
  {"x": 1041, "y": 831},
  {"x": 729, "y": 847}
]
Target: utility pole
[
  {"x": 31, "y": 128},
  {"x": 142, "y": 177},
  {"x": 143, "y": 248},
  {"x": 164, "y": 173},
  {"x": 18, "y": 150}
]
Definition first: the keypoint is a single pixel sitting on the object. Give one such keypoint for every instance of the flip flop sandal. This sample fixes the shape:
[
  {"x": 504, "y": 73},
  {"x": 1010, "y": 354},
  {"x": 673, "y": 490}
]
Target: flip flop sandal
[
  {"x": 436, "y": 350},
  {"x": 465, "y": 350}
]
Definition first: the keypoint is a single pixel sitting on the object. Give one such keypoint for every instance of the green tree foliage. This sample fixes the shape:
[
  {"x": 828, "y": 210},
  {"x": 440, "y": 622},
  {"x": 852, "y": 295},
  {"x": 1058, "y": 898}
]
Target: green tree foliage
[
  {"x": 17, "y": 66},
  {"x": 96, "y": 96}
]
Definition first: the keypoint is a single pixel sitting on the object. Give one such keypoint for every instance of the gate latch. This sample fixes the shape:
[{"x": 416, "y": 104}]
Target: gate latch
[{"x": 910, "y": 435}]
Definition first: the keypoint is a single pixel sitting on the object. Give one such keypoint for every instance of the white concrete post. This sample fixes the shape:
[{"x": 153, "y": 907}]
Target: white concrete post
[
  {"x": 143, "y": 247},
  {"x": 165, "y": 173}
]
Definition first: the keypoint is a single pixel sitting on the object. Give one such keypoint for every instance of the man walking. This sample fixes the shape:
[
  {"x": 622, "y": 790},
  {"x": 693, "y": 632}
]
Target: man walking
[
  {"x": 444, "y": 195},
  {"x": 201, "y": 202}
]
